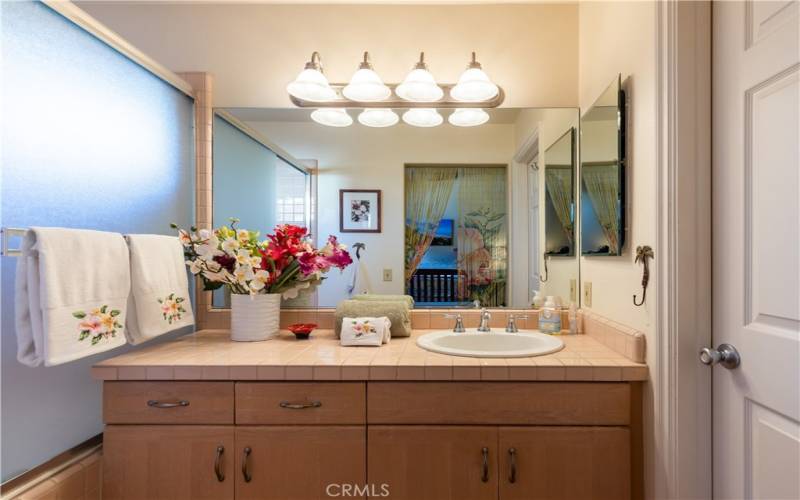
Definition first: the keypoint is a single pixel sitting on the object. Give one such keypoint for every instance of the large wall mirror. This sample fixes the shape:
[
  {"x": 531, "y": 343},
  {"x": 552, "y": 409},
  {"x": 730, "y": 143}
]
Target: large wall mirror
[
  {"x": 460, "y": 213},
  {"x": 603, "y": 174}
]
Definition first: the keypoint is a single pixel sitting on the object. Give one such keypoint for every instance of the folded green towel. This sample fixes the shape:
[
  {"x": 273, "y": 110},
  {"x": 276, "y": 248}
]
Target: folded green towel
[
  {"x": 396, "y": 310},
  {"x": 375, "y": 296}
]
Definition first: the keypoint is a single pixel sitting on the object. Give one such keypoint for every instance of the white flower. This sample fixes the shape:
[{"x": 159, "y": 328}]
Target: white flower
[
  {"x": 204, "y": 234},
  {"x": 207, "y": 251},
  {"x": 243, "y": 274},
  {"x": 243, "y": 258},
  {"x": 222, "y": 276},
  {"x": 230, "y": 246},
  {"x": 243, "y": 235},
  {"x": 194, "y": 266}
]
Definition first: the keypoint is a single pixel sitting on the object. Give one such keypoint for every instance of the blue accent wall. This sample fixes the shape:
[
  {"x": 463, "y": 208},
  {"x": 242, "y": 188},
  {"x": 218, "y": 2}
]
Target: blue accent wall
[{"x": 90, "y": 140}]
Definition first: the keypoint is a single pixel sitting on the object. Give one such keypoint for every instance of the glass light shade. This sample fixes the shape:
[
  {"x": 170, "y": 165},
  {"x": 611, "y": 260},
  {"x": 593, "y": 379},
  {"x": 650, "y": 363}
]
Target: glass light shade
[
  {"x": 423, "y": 117},
  {"x": 474, "y": 86},
  {"x": 311, "y": 85},
  {"x": 419, "y": 86},
  {"x": 332, "y": 117},
  {"x": 468, "y": 117},
  {"x": 366, "y": 86},
  {"x": 378, "y": 117}
]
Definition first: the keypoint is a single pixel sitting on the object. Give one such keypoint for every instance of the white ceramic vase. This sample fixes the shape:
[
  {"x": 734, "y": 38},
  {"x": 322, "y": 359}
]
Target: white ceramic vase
[{"x": 255, "y": 317}]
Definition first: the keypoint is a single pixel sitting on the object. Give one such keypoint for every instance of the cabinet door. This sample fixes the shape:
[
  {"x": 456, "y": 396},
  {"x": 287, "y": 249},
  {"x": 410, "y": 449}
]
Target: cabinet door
[
  {"x": 170, "y": 462},
  {"x": 569, "y": 463},
  {"x": 299, "y": 462},
  {"x": 433, "y": 463}
]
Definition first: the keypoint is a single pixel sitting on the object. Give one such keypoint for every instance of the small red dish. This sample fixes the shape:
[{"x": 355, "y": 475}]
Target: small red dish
[{"x": 302, "y": 330}]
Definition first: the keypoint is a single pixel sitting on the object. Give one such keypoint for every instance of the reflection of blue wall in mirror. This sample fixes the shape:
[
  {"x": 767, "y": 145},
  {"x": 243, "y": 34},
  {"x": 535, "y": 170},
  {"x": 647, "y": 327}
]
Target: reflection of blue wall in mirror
[
  {"x": 244, "y": 179},
  {"x": 444, "y": 256},
  {"x": 592, "y": 237}
]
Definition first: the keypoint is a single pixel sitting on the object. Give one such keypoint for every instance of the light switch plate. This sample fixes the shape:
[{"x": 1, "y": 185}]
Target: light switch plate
[
  {"x": 573, "y": 284},
  {"x": 587, "y": 293},
  {"x": 387, "y": 275}
]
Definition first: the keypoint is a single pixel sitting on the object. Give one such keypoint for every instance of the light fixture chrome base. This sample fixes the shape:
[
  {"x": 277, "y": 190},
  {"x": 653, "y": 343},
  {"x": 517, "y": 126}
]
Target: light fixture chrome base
[{"x": 397, "y": 103}]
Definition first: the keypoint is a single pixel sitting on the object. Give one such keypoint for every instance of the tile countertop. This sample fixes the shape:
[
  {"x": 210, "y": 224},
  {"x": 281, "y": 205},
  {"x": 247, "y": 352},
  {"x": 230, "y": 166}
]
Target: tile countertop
[{"x": 211, "y": 355}]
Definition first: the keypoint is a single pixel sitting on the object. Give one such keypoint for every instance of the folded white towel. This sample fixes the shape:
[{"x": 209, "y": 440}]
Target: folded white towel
[
  {"x": 366, "y": 331},
  {"x": 71, "y": 294},
  {"x": 159, "y": 300}
]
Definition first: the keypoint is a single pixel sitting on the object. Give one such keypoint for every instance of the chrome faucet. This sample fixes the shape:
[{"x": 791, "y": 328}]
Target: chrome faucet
[
  {"x": 485, "y": 317},
  {"x": 459, "y": 328},
  {"x": 511, "y": 327}
]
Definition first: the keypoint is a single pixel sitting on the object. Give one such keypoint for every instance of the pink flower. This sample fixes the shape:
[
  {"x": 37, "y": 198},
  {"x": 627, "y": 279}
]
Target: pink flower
[
  {"x": 478, "y": 267},
  {"x": 336, "y": 254},
  {"x": 470, "y": 239}
]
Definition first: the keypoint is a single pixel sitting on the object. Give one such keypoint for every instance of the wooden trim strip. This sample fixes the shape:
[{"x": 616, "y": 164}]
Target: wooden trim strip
[{"x": 41, "y": 473}]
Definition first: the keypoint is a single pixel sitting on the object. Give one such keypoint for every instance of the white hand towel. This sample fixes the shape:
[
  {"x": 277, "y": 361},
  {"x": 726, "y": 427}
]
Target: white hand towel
[
  {"x": 366, "y": 331},
  {"x": 159, "y": 301},
  {"x": 71, "y": 290}
]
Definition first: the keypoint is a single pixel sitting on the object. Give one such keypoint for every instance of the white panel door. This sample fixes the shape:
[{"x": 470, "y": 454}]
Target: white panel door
[{"x": 756, "y": 248}]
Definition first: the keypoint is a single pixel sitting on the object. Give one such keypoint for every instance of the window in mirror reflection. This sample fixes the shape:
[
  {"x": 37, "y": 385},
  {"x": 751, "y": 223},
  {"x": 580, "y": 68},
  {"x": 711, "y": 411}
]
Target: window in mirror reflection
[
  {"x": 456, "y": 235},
  {"x": 560, "y": 200},
  {"x": 254, "y": 185}
]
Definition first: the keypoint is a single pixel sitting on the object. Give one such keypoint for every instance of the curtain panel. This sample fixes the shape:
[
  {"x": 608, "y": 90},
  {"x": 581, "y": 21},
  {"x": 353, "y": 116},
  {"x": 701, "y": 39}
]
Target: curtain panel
[
  {"x": 482, "y": 239},
  {"x": 601, "y": 183},
  {"x": 428, "y": 190},
  {"x": 558, "y": 181}
]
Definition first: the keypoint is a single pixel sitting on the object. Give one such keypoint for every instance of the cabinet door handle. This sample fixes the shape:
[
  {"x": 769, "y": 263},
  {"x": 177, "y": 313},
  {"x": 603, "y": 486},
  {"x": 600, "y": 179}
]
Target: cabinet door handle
[
  {"x": 245, "y": 465},
  {"x": 512, "y": 458},
  {"x": 154, "y": 403},
  {"x": 300, "y": 406},
  {"x": 218, "y": 464},
  {"x": 485, "y": 471}
]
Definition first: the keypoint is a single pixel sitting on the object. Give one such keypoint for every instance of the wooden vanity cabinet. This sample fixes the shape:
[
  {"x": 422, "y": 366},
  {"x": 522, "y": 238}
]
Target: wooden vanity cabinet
[
  {"x": 298, "y": 462},
  {"x": 423, "y": 440},
  {"x": 168, "y": 462}
]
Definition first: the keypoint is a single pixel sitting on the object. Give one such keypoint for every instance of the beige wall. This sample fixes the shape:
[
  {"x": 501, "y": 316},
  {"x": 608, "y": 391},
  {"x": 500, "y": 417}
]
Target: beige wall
[
  {"x": 620, "y": 37},
  {"x": 254, "y": 50},
  {"x": 605, "y": 51},
  {"x": 358, "y": 157}
]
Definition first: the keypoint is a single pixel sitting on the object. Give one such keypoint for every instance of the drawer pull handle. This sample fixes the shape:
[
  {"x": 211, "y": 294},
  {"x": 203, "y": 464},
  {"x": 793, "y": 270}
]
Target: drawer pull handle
[
  {"x": 167, "y": 404},
  {"x": 245, "y": 466},
  {"x": 512, "y": 458},
  {"x": 485, "y": 472},
  {"x": 300, "y": 406},
  {"x": 218, "y": 464}
]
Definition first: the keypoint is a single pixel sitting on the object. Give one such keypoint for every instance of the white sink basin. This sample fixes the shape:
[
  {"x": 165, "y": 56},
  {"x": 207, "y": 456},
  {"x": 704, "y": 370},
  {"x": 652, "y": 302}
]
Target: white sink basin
[{"x": 494, "y": 344}]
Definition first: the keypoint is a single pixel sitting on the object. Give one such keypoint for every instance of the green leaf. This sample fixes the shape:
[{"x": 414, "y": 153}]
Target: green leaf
[
  {"x": 114, "y": 313},
  {"x": 96, "y": 339},
  {"x": 179, "y": 300},
  {"x": 104, "y": 309},
  {"x": 83, "y": 335},
  {"x": 79, "y": 314}
]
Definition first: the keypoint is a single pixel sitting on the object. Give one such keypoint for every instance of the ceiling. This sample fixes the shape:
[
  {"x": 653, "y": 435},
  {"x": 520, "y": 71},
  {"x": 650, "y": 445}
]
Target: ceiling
[{"x": 254, "y": 49}]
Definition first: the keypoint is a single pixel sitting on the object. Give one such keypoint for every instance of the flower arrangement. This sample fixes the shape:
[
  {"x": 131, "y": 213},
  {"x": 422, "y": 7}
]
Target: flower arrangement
[
  {"x": 98, "y": 323},
  {"x": 284, "y": 263}
]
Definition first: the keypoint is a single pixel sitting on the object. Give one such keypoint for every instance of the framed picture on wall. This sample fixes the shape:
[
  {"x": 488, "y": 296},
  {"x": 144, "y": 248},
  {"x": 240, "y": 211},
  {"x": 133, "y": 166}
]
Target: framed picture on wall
[{"x": 360, "y": 210}]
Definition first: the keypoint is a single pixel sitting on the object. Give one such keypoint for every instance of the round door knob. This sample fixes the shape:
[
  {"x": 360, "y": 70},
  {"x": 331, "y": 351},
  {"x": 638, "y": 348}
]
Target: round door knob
[{"x": 725, "y": 355}]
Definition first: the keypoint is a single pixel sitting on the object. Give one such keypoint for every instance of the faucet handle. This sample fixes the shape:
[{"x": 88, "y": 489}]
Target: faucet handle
[
  {"x": 459, "y": 328},
  {"x": 511, "y": 326}
]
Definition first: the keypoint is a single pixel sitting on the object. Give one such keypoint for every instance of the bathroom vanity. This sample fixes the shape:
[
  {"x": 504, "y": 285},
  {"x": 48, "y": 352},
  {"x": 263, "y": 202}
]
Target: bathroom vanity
[{"x": 203, "y": 417}]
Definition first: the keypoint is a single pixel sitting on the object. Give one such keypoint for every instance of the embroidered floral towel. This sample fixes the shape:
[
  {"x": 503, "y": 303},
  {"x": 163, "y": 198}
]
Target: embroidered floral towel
[
  {"x": 159, "y": 301},
  {"x": 366, "y": 331},
  {"x": 71, "y": 294}
]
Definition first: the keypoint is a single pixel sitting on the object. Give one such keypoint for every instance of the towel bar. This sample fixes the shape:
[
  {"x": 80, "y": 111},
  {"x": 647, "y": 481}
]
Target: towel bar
[{"x": 8, "y": 233}]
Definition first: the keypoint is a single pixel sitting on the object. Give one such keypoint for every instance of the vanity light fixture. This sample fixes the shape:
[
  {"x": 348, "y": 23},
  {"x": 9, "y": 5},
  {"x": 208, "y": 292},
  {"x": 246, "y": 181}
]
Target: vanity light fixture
[
  {"x": 311, "y": 84},
  {"x": 420, "y": 85},
  {"x": 332, "y": 117},
  {"x": 423, "y": 117},
  {"x": 468, "y": 117},
  {"x": 474, "y": 84},
  {"x": 366, "y": 85},
  {"x": 378, "y": 117}
]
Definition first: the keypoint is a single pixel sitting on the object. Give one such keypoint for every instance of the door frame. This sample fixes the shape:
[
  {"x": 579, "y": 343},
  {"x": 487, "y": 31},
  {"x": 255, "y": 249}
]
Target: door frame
[{"x": 678, "y": 459}]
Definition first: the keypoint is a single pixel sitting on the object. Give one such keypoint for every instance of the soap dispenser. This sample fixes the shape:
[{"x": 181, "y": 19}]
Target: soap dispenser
[{"x": 550, "y": 317}]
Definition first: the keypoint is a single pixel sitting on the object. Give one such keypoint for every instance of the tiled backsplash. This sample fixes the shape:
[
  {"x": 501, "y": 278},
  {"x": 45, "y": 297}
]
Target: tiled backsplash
[{"x": 622, "y": 339}]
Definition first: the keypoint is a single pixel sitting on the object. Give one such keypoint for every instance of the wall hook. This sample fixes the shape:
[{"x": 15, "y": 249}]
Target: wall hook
[
  {"x": 546, "y": 271},
  {"x": 359, "y": 246},
  {"x": 643, "y": 255}
]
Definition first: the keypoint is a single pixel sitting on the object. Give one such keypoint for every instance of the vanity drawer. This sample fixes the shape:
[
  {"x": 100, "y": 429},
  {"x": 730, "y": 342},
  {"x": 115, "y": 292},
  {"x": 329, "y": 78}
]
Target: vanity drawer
[
  {"x": 310, "y": 403},
  {"x": 168, "y": 402},
  {"x": 501, "y": 403}
]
